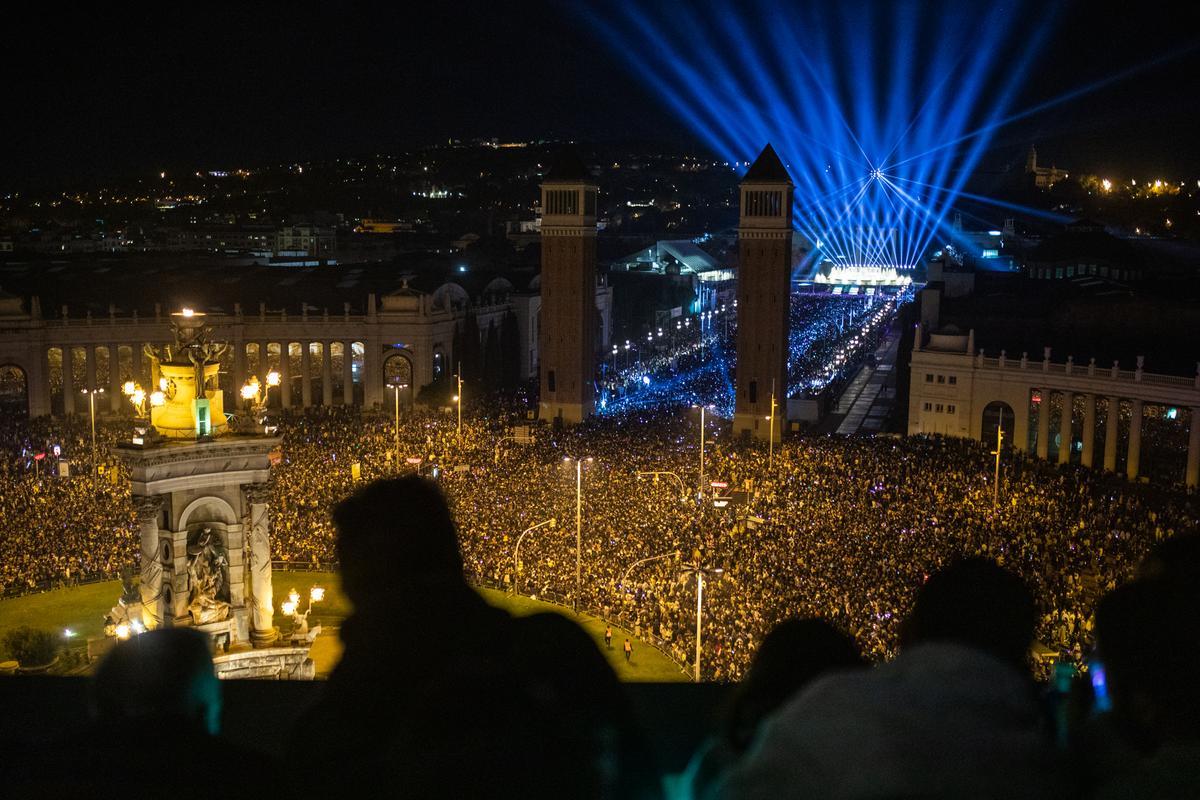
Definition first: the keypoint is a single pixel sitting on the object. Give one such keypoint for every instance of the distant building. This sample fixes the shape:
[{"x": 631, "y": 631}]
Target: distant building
[
  {"x": 956, "y": 391},
  {"x": 223, "y": 238},
  {"x": 304, "y": 240},
  {"x": 1042, "y": 177},
  {"x": 1084, "y": 250}
]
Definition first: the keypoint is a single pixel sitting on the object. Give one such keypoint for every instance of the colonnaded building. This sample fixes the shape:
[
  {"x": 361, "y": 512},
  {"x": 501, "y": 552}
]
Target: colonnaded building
[
  {"x": 337, "y": 335},
  {"x": 1085, "y": 413}
]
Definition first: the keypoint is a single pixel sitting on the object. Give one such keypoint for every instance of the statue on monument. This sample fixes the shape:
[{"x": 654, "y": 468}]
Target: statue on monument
[{"x": 207, "y": 565}]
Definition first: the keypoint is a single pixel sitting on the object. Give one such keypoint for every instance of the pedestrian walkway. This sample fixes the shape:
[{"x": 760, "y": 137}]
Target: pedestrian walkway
[{"x": 868, "y": 387}]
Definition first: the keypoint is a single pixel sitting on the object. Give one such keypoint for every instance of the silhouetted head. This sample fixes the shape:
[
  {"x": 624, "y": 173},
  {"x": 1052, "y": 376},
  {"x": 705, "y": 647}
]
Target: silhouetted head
[
  {"x": 792, "y": 655},
  {"x": 395, "y": 530},
  {"x": 974, "y": 602},
  {"x": 1149, "y": 642},
  {"x": 1176, "y": 559},
  {"x": 161, "y": 674}
]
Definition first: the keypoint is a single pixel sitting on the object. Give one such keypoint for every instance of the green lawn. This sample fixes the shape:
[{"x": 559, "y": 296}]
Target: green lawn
[{"x": 82, "y": 610}]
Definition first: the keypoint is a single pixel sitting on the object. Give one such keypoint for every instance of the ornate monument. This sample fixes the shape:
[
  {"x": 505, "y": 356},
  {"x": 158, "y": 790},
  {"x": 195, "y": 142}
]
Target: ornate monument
[{"x": 201, "y": 492}]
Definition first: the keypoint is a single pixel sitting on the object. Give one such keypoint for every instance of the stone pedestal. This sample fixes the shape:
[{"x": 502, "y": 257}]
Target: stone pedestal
[{"x": 189, "y": 490}]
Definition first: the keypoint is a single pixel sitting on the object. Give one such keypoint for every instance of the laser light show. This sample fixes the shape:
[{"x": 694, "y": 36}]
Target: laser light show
[{"x": 880, "y": 111}]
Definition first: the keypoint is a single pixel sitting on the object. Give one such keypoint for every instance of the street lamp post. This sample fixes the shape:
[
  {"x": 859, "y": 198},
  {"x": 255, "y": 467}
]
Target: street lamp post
[
  {"x": 578, "y": 527},
  {"x": 771, "y": 430},
  {"x": 91, "y": 393},
  {"x": 996, "y": 481},
  {"x": 656, "y": 473},
  {"x": 396, "y": 387},
  {"x": 640, "y": 561},
  {"x": 552, "y": 523},
  {"x": 701, "y": 573},
  {"x": 458, "y": 397},
  {"x": 702, "y": 408}
]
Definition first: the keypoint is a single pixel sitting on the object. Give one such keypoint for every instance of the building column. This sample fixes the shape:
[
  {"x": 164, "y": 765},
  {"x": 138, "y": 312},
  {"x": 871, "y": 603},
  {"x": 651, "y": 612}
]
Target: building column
[
  {"x": 1020, "y": 434},
  {"x": 372, "y": 373},
  {"x": 68, "y": 369},
  {"x": 115, "y": 381},
  {"x": 1112, "y": 420},
  {"x": 1192, "y": 478},
  {"x": 347, "y": 373},
  {"x": 262, "y": 629},
  {"x": 285, "y": 375},
  {"x": 239, "y": 369},
  {"x": 305, "y": 375},
  {"x": 1089, "y": 430},
  {"x": 1135, "y": 440},
  {"x": 326, "y": 375},
  {"x": 1065, "y": 428},
  {"x": 150, "y": 587},
  {"x": 1043, "y": 431}
]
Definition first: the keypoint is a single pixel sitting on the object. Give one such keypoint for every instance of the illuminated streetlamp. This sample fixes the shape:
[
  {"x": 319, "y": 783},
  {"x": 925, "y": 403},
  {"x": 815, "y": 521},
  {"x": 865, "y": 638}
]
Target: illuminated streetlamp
[
  {"x": 771, "y": 430},
  {"x": 640, "y": 561},
  {"x": 396, "y": 387},
  {"x": 291, "y": 607},
  {"x": 701, "y": 573},
  {"x": 578, "y": 525},
  {"x": 702, "y": 409},
  {"x": 142, "y": 401},
  {"x": 659, "y": 473},
  {"x": 999, "y": 442},
  {"x": 91, "y": 394},
  {"x": 458, "y": 397},
  {"x": 551, "y": 523}
]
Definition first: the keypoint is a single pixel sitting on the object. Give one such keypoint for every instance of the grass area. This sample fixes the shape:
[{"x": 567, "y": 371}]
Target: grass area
[{"x": 82, "y": 610}]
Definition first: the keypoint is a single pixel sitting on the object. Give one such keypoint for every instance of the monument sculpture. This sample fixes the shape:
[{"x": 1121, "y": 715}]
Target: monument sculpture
[{"x": 201, "y": 492}]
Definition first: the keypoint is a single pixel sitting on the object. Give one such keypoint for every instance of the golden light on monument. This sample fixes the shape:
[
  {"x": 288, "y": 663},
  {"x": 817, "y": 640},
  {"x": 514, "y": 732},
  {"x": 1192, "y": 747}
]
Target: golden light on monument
[{"x": 192, "y": 404}]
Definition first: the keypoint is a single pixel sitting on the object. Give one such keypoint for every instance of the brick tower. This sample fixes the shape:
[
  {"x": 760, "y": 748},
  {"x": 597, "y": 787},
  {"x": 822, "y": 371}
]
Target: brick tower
[
  {"x": 764, "y": 289},
  {"x": 567, "y": 326}
]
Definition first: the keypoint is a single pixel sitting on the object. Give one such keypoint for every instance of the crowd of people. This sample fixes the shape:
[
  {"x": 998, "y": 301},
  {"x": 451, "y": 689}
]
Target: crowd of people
[
  {"x": 60, "y": 530},
  {"x": 841, "y": 528},
  {"x": 529, "y": 707}
]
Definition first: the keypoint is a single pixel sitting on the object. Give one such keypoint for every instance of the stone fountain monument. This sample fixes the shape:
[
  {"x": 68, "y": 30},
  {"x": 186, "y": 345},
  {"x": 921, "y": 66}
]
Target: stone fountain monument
[{"x": 201, "y": 494}]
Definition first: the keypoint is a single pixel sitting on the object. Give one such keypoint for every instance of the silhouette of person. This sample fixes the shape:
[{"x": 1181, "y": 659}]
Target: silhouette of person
[
  {"x": 490, "y": 704},
  {"x": 1148, "y": 644},
  {"x": 792, "y": 655},
  {"x": 953, "y": 715},
  {"x": 628, "y": 650},
  {"x": 156, "y": 696},
  {"x": 608, "y": 636}
]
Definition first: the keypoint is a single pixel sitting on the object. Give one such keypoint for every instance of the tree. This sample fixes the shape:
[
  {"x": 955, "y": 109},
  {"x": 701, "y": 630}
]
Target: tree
[{"x": 32, "y": 647}]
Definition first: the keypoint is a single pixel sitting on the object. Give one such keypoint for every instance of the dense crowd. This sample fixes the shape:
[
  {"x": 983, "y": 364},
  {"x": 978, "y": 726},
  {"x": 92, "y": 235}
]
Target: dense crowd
[
  {"x": 59, "y": 530},
  {"x": 841, "y": 528}
]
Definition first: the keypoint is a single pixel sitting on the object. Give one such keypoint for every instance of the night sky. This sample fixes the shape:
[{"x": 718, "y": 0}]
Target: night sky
[{"x": 104, "y": 91}]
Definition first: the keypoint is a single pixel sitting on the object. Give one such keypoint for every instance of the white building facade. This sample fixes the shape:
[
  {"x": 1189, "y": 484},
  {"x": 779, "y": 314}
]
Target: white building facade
[{"x": 955, "y": 391}]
